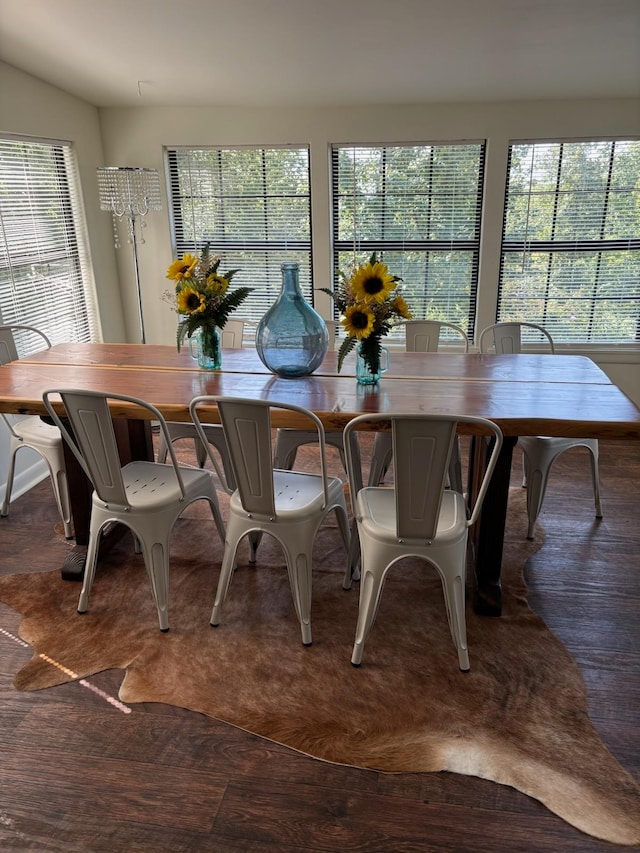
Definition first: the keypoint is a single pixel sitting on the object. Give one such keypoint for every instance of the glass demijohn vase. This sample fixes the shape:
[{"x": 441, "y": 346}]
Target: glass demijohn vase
[
  {"x": 209, "y": 348},
  {"x": 292, "y": 338}
]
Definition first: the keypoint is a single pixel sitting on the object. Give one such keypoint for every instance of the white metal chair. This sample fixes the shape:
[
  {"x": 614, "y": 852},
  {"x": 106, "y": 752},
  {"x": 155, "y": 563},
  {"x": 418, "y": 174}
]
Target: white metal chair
[
  {"x": 538, "y": 452},
  {"x": 232, "y": 334},
  {"x": 427, "y": 335},
  {"x": 33, "y": 432},
  {"x": 231, "y": 338},
  {"x": 289, "y": 505},
  {"x": 147, "y": 497},
  {"x": 418, "y": 517},
  {"x": 420, "y": 336}
]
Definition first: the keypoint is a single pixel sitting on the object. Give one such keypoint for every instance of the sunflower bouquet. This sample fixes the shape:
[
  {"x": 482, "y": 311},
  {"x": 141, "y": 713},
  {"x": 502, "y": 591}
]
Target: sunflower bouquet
[
  {"x": 370, "y": 306},
  {"x": 202, "y": 296}
]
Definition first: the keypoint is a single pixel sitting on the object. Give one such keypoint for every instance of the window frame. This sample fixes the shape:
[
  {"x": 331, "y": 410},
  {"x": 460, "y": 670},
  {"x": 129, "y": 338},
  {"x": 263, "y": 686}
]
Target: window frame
[
  {"x": 263, "y": 273},
  {"x": 43, "y": 227},
  {"x": 579, "y": 246},
  {"x": 361, "y": 249}
]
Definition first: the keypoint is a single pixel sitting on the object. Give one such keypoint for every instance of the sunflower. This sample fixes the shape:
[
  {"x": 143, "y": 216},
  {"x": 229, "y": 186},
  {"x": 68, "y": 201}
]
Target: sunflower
[
  {"x": 399, "y": 306},
  {"x": 182, "y": 268},
  {"x": 372, "y": 282},
  {"x": 190, "y": 301},
  {"x": 217, "y": 284},
  {"x": 358, "y": 321}
]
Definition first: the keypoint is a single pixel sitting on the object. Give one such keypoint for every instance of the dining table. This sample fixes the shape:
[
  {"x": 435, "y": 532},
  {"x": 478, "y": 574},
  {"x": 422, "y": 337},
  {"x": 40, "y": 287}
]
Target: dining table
[{"x": 524, "y": 394}]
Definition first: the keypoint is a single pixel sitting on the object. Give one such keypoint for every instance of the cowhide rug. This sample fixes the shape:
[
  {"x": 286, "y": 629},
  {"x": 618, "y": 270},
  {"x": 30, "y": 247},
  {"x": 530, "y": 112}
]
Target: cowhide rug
[{"x": 519, "y": 717}]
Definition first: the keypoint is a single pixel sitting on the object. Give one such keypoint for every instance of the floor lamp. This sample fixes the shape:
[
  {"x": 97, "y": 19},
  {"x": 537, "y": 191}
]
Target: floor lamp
[{"x": 130, "y": 193}]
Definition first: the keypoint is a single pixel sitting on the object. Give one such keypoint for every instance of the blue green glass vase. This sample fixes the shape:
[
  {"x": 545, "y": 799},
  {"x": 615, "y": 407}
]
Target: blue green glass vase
[
  {"x": 209, "y": 348},
  {"x": 364, "y": 374},
  {"x": 292, "y": 338}
]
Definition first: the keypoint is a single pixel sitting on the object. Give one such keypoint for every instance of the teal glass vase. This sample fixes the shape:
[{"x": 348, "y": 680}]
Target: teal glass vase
[
  {"x": 364, "y": 374},
  {"x": 292, "y": 338},
  {"x": 209, "y": 348}
]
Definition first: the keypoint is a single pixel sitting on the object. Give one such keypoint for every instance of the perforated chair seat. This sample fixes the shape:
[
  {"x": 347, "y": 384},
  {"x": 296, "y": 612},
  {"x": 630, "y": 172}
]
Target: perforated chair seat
[{"x": 378, "y": 509}]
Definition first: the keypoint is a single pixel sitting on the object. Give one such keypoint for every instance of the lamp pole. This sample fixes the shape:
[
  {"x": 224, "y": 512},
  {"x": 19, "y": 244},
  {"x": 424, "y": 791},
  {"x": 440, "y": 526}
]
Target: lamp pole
[{"x": 130, "y": 193}]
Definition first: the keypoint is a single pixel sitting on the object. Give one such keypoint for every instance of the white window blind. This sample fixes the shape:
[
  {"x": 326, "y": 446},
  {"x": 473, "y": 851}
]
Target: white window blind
[
  {"x": 419, "y": 207},
  {"x": 45, "y": 274},
  {"x": 253, "y": 206},
  {"x": 571, "y": 239}
]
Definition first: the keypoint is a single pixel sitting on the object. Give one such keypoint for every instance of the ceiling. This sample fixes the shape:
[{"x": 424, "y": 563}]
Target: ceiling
[{"x": 325, "y": 52}]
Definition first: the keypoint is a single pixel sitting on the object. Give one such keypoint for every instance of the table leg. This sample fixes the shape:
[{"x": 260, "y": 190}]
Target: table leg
[
  {"x": 489, "y": 534},
  {"x": 134, "y": 442}
]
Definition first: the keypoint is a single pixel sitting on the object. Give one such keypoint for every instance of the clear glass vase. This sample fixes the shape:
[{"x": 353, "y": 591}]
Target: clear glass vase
[
  {"x": 209, "y": 348},
  {"x": 364, "y": 375},
  {"x": 292, "y": 338}
]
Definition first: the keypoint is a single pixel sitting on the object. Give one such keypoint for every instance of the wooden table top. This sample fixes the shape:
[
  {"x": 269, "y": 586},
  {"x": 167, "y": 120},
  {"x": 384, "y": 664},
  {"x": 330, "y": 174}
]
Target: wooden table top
[
  {"x": 403, "y": 365},
  {"x": 525, "y": 394}
]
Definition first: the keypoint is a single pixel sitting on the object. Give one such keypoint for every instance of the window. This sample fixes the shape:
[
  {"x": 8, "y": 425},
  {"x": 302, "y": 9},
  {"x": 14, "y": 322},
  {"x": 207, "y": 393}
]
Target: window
[
  {"x": 253, "y": 206},
  {"x": 419, "y": 208},
  {"x": 45, "y": 274},
  {"x": 571, "y": 240}
]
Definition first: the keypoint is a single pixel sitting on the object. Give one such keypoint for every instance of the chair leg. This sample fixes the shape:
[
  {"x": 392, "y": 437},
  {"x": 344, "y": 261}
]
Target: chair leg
[
  {"x": 299, "y": 570},
  {"x": 226, "y": 573},
  {"x": 61, "y": 493},
  {"x": 217, "y": 517},
  {"x": 156, "y": 560},
  {"x": 454, "y": 596},
  {"x": 455, "y": 468},
  {"x": 353, "y": 569},
  {"x": 255, "y": 538},
  {"x": 286, "y": 449},
  {"x": 380, "y": 458},
  {"x": 201, "y": 452},
  {"x": 4, "y": 511},
  {"x": 595, "y": 478},
  {"x": 343, "y": 525},
  {"x": 90, "y": 564},
  {"x": 162, "y": 449},
  {"x": 370, "y": 591},
  {"x": 536, "y": 488}
]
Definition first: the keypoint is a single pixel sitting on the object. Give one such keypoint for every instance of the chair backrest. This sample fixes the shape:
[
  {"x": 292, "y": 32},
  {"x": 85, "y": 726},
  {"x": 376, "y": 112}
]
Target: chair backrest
[
  {"x": 232, "y": 334},
  {"x": 32, "y": 338},
  {"x": 422, "y": 448},
  {"x": 506, "y": 338},
  {"x": 425, "y": 335},
  {"x": 92, "y": 438},
  {"x": 247, "y": 429},
  {"x": 333, "y": 327}
]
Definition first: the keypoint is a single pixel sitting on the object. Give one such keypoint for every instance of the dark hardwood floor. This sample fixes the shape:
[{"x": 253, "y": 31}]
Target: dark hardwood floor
[{"x": 78, "y": 775}]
